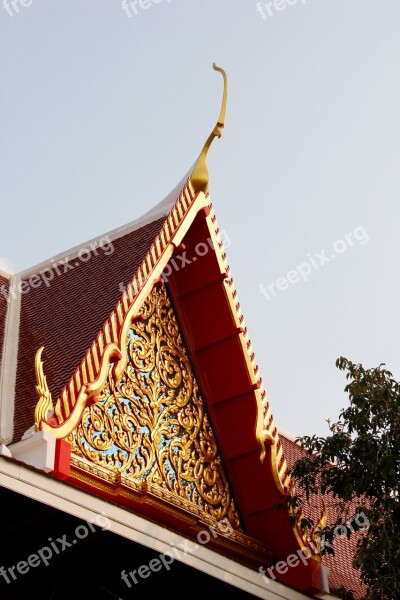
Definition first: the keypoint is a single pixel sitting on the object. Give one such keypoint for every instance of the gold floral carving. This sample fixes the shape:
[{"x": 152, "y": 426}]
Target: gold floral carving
[{"x": 151, "y": 425}]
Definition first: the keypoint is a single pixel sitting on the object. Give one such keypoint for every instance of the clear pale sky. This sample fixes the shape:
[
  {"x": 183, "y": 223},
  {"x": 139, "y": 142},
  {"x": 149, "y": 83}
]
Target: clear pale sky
[{"x": 102, "y": 112}]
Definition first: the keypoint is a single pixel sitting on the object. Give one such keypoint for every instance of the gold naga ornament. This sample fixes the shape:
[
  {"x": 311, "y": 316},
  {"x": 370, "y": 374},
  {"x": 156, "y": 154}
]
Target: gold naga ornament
[{"x": 44, "y": 407}]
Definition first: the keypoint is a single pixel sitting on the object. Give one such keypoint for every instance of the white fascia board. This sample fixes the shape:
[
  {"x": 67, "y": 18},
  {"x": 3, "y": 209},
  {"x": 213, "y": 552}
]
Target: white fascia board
[
  {"x": 82, "y": 505},
  {"x": 5, "y": 273},
  {"x": 37, "y": 450},
  {"x": 287, "y": 434},
  {"x": 8, "y": 366}
]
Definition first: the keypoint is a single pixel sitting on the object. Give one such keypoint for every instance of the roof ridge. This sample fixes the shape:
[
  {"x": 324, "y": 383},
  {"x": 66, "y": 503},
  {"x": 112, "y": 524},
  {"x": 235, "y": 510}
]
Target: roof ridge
[
  {"x": 5, "y": 273},
  {"x": 159, "y": 210},
  {"x": 109, "y": 344},
  {"x": 288, "y": 435}
]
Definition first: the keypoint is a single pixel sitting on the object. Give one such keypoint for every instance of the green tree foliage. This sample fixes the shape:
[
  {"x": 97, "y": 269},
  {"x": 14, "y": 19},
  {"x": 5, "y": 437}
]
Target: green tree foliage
[{"x": 359, "y": 465}]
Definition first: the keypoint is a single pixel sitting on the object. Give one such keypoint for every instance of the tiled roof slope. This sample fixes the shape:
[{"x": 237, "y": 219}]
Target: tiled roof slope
[
  {"x": 4, "y": 287},
  {"x": 66, "y": 315},
  {"x": 342, "y": 573}
]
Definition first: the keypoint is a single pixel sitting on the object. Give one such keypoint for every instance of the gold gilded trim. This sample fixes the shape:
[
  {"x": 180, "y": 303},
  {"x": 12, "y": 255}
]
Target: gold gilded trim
[
  {"x": 266, "y": 431},
  {"x": 306, "y": 538},
  {"x": 71, "y": 422},
  {"x": 316, "y": 533},
  {"x": 90, "y": 474}
]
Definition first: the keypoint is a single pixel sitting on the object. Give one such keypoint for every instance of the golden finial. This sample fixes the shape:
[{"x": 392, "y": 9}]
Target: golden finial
[
  {"x": 44, "y": 407},
  {"x": 199, "y": 177}
]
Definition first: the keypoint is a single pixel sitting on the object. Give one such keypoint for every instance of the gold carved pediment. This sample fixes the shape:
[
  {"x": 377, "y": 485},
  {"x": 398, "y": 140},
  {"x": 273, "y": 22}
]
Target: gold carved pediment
[{"x": 152, "y": 424}]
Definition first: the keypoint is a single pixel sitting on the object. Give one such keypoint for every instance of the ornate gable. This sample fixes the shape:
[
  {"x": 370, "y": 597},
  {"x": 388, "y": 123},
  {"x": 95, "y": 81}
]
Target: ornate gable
[
  {"x": 137, "y": 424},
  {"x": 150, "y": 428}
]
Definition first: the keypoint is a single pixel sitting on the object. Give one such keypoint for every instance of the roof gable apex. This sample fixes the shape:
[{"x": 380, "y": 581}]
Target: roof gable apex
[{"x": 108, "y": 346}]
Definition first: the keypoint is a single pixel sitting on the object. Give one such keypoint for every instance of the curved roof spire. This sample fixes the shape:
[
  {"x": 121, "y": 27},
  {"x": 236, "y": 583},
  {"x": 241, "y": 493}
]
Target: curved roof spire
[{"x": 200, "y": 177}]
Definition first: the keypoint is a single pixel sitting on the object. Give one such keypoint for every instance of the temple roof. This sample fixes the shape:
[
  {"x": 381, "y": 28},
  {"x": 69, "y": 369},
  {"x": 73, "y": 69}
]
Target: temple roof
[
  {"x": 4, "y": 286},
  {"x": 66, "y": 312},
  {"x": 79, "y": 306}
]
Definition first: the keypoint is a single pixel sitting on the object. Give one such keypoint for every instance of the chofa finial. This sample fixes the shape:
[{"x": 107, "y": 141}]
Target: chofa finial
[
  {"x": 44, "y": 407},
  {"x": 200, "y": 177}
]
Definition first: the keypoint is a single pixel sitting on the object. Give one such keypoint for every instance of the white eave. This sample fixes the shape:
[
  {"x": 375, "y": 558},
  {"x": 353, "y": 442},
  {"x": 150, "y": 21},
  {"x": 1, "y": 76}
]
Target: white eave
[
  {"x": 82, "y": 505},
  {"x": 287, "y": 434},
  {"x": 8, "y": 365},
  {"x": 5, "y": 273}
]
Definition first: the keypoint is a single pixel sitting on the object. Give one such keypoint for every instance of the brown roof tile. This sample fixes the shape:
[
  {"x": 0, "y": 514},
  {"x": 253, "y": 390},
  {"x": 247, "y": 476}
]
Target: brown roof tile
[
  {"x": 66, "y": 315},
  {"x": 4, "y": 288},
  {"x": 342, "y": 572}
]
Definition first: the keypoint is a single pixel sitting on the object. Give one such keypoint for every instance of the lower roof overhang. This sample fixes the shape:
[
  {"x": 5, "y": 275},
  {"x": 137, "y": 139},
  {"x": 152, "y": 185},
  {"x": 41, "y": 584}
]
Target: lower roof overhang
[{"x": 54, "y": 493}]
